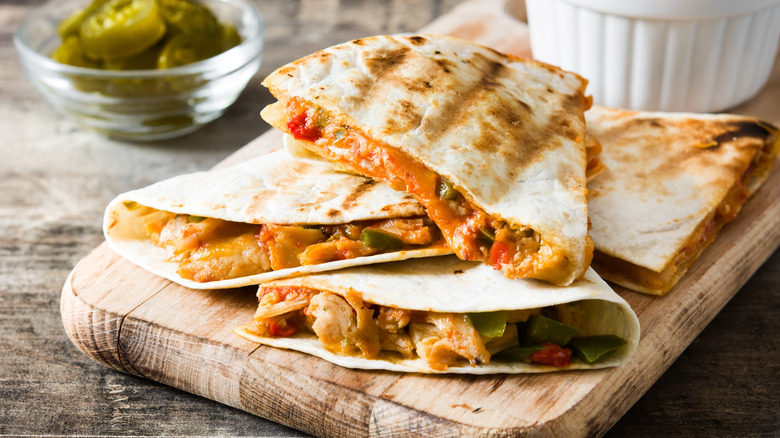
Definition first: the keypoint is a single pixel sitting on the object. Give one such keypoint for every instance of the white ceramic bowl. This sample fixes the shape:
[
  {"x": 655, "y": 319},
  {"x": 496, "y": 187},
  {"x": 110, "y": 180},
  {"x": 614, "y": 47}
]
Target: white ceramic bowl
[
  {"x": 141, "y": 105},
  {"x": 662, "y": 55}
]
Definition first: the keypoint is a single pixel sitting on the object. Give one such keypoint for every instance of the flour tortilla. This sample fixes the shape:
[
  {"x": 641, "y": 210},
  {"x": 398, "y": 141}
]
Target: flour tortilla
[
  {"x": 447, "y": 284},
  {"x": 271, "y": 189},
  {"x": 666, "y": 173},
  {"x": 506, "y": 131}
]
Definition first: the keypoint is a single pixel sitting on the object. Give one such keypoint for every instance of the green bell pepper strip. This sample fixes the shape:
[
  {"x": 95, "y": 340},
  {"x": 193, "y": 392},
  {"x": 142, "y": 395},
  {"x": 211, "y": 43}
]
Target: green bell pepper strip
[
  {"x": 490, "y": 324},
  {"x": 591, "y": 349},
  {"x": 445, "y": 190},
  {"x": 130, "y": 205},
  {"x": 379, "y": 239},
  {"x": 540, "y": 329},
  {"x": 487, "y": 235},
  {"x": 520, "y": 353}
]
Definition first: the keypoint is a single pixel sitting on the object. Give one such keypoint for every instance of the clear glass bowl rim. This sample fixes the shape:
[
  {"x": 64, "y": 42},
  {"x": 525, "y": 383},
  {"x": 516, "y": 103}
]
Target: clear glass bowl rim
[{"x": 246, "y": 51}]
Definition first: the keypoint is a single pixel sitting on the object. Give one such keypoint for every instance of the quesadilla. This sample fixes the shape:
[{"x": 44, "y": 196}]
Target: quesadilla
[
  {"x": 673, "y": 180},
  {"x": 444, "y": 315},
  {"x": 493, "y": 146},
  {"x": 267, "y": 218}
]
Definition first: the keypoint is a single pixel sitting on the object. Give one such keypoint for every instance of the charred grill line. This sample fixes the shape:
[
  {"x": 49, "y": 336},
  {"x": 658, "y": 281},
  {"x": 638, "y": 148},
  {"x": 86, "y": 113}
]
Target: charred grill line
[
  {"x": 742, "y": 129},
  {"x": 359, "y": 191}
]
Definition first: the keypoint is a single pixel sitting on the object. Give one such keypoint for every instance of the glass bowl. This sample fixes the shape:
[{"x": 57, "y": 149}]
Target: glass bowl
[{"x": 141, "y": 105}]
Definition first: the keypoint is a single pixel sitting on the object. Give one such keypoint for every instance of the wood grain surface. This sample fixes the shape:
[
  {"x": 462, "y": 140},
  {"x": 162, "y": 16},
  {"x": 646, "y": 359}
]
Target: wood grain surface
[{"x": 55, "y": 180}]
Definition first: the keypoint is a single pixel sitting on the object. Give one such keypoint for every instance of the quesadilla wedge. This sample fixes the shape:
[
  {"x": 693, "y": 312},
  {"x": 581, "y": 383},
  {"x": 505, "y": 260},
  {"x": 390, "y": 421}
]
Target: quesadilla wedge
[
  {"x": 444, "y": 315},
  {"x": 493, "y": 146},
  {"x": 673, "y": 180},
  {"x": 267, "y": 218}
]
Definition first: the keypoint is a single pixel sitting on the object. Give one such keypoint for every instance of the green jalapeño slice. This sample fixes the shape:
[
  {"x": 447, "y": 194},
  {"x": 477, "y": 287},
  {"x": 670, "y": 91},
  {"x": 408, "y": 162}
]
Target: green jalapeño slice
[
  {"x": 122, "y": 28},
  {"x": 183, "y": 49},
  {"x": 189, "y": 17},
  {"x": 142, "y": 35}
]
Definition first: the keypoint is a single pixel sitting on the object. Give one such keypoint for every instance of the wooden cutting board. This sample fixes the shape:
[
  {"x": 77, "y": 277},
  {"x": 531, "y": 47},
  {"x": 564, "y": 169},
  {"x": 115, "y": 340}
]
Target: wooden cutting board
[{"x": 135, "y": 322}]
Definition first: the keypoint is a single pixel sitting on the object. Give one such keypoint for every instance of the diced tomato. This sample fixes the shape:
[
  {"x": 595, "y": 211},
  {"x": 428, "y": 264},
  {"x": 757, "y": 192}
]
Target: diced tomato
[
  {"x": 553, "y": 354},
  {"x": 288, "y": 330},
  {"x": 264, "y": 234},
  {"x": 302, "y": 127},
  {"x": 500, "y": 254},
  {"x": 282, "y": 292}
]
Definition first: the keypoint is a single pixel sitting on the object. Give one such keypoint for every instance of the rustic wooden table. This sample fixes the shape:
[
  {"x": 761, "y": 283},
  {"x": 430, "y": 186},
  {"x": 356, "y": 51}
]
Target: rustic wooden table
[{"x": 55, "y": 180}]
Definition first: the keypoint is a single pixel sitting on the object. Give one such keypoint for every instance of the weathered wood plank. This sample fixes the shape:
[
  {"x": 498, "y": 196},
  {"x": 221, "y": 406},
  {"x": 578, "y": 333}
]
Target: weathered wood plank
[{"x": 206, "y": 359}]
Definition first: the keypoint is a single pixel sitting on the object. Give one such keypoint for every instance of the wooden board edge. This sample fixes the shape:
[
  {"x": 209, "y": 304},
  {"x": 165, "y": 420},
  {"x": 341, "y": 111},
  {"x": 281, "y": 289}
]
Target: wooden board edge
[
  {"x": 214, "y": 369},
  {"x": 92, "y": 330},
  {"x": 285, "y": 406}
]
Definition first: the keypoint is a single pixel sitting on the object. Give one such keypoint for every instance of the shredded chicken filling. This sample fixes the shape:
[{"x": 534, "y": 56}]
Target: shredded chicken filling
[
  {"x": 209, "y": 249},
  {"x": 346, "y": 325}
]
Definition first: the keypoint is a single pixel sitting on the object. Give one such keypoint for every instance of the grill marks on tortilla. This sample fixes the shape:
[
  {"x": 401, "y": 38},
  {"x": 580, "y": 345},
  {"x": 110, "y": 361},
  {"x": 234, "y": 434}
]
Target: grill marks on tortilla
[
  {"x": 353, "y": 198},
  {"x": 457, "y": 112},
  {"x": 508, "y": 116},
  {"x": 430, "y": 107},
  {"x": 382, "y": 63},
  {"x": 743, "y": 129},
  {"x": 403, "y": 117},
  {"x": 687, "y": 154},
  {"x": 417, "y": 40},
  {"x": 447, "y": 91}
]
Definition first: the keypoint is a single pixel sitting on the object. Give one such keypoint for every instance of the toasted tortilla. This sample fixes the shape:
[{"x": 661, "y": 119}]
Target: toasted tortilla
[
  {"x": 447, "y": 284},
  {"x": 271, "y": 189},
  {"x": 506, "y": 132},
  {"x": 672, "y": 180}
]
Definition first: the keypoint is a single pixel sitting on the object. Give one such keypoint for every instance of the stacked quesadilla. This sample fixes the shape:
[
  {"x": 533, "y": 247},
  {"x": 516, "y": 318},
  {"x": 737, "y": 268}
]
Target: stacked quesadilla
[
  {"x": 453, "y": 147},
  {"x": 495, "y": 149},
  {"x": 673, "y": 180},
  {"x": 450, "y": 147}
]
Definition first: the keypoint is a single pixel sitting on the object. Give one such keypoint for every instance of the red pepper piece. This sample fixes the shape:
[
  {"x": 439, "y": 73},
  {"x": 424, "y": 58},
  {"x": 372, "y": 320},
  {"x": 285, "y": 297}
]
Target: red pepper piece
[
  {"x": 500, "y": 254},
  {"x": 277, "y": 331},
  {"x": 302, "y": 127},
  {"x": 553, "y": 354}
]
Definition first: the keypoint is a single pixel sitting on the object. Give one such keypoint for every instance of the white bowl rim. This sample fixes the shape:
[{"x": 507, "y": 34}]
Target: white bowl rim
[
  {"x": 675, "y": 9},
  {"x": 249, "y": 48}
]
